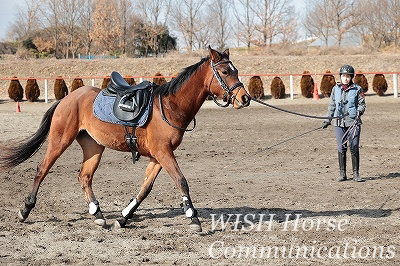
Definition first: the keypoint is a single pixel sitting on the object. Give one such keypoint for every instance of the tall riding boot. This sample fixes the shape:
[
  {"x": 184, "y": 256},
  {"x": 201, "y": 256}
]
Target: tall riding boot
[
  {"x": 342, "y": 166},
  {"x": 355, "y": 159}
]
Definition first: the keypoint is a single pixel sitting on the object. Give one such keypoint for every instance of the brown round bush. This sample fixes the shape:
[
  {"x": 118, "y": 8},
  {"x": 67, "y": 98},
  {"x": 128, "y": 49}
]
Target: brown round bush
[
  {"x": 175, "y": 75},
  {"x": 76, "y": 84},
  {"x": 159, "y": 81},
  {"x": 60, "y": 88},
  {"x": 307, "y": 84},
  {"x": 106, "y": 81},
  {"x": 379, "y": 84},
  {"x": 131, "y": 81},
  {"x": 15, "y": 90},
  {"x": 32, "y": 91},
  {"x": 255, "y": 88},
  {"x": 277, "y": 88},
  {"x": 361, "y": 80},
  {"x": 327, "y": 83}
]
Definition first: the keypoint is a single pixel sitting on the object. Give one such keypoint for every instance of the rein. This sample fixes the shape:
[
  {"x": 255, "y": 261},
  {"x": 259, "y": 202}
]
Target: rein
[
  {"x": 169, "y": 123},
  {"x": 274, "y": 145},
  {"x": 350, "y": 133},
  {"x": 295, "y": 113}
]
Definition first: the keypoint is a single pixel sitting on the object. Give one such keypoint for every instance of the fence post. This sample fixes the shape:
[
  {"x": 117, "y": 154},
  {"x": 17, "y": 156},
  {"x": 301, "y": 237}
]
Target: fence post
[
  {"x": 140, "y": 80},
  {"x": 395, "y": 87},
  {"x": 291, "y": 87},
  {"x": 93, "y": 82},
  {"x": 46, "y": 92}
]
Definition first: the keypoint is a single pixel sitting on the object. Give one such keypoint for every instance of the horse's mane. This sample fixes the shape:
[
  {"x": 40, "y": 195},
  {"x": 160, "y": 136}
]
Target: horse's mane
[{"x": 174, "y": 85}]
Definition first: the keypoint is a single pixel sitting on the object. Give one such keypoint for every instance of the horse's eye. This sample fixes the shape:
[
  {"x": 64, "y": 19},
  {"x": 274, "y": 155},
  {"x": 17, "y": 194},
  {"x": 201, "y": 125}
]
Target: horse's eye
[{"x": 225, "y": 72}]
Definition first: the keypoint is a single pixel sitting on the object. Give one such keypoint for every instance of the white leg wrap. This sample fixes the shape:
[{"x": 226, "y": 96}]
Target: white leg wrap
[
  {"x": 93, "y": 207},
  {"x": 189, "y": 213},
  {"x": 131, "y": 205}
]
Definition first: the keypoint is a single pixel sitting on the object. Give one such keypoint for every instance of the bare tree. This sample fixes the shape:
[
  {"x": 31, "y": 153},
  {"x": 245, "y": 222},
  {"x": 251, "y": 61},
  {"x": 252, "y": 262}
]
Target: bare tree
[
  {"x": 70, "y": 14},
  {"x": 155, "y": 14},
  {"x": 49, "y": 13},
  {"x": 270, "y": 14},
  {"x": 106, "y": 30},
  {"x": 86, "y": 25},
  {"x": 220, "y": 12},
  {"x": 289, "y": 29},
  {"x": 187, "y": 20},
  {"x": 333, "y": 18},
  {"x": 26, "y": 20},
  {"x": 125, "y": 11},
  {"x": 394, "y": 13},
  {"x": 346, "y": 15},
  {"x": 317, "y": 21},
  {"x": 204, "y": 33},
  {"x": 244, "y": 15},
  {"x": 380, "y": 26}
]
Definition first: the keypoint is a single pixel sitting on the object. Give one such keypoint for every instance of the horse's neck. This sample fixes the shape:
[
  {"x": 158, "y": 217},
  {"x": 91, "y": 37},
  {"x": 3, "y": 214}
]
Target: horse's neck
[{"x": 191, "y": 96}]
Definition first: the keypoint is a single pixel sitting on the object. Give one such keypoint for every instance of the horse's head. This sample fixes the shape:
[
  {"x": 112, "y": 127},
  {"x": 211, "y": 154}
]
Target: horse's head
[{"x": 225, "y": 82}]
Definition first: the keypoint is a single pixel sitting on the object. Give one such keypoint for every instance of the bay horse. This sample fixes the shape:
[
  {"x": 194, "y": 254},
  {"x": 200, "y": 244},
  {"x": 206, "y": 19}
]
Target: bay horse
[{"x": 179, "y": 100}]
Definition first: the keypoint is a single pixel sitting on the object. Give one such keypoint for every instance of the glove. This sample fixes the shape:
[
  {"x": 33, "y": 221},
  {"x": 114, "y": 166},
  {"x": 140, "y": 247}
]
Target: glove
[{"x": 325, "y": 124}]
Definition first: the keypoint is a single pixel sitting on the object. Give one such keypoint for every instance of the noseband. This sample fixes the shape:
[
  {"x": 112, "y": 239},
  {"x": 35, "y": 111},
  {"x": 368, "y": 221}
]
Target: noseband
[{"x": 222, "y": 83}]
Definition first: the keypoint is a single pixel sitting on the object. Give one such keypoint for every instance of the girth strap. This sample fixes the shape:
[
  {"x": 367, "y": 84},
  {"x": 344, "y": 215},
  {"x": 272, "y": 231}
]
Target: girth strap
[{"x": 131, "y": 141}]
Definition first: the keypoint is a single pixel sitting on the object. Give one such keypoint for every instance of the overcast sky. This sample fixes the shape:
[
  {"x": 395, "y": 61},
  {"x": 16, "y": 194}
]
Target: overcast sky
[{"x": 9, "y": 7}]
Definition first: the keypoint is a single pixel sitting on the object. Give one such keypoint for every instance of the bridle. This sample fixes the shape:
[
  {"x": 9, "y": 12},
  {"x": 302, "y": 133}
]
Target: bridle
[{"x": 222, "y": 83}]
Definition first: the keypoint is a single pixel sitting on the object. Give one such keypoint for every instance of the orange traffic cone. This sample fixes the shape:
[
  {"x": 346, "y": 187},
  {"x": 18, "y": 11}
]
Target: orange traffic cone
[
  {"x": 18, "y": 108},
  {"x": 315, "y": 92}
]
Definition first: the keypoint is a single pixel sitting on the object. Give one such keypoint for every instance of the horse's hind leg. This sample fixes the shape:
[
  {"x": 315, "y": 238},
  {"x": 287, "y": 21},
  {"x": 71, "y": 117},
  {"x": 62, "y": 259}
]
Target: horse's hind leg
[
  {"x": 56, "y": 146},
  {"x": 152, "y": 170},
  {"x": 91, "y": 158}
]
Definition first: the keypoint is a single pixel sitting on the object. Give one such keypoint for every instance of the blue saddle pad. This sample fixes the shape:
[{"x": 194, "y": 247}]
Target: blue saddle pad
[{"x": 103, "y": 110}]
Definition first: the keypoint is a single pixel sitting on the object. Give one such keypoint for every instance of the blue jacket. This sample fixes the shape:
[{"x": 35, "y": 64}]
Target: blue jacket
[{"x": 346, "y": 103}]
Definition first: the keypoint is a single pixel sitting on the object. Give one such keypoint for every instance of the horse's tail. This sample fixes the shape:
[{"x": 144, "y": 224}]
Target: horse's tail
[{"x": 13, "y": 156}]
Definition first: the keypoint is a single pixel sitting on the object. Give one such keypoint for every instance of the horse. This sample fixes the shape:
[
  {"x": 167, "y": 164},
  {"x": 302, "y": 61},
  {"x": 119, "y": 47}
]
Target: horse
[{"x": 72, "y": 118}]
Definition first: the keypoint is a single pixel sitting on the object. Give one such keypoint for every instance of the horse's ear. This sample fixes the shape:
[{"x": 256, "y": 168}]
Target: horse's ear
[
  {"x": 214, "y": 55},
  {"x": 226, "y": 52}
]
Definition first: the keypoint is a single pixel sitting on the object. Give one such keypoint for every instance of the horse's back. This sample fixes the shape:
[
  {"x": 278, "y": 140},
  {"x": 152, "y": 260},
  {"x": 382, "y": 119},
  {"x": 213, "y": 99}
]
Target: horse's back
[{"x": 85, "y": 94}]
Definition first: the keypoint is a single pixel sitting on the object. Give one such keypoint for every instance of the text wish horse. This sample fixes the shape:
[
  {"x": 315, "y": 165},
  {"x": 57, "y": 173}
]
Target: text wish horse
[{"x": 175, "y": 106}]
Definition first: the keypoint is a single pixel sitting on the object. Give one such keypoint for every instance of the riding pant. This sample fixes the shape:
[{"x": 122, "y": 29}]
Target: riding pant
[{"x": 353, "y": 139}]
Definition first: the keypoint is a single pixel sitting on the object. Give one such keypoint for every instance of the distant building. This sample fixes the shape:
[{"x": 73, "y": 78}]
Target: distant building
[{"x": 348, "y": 40}]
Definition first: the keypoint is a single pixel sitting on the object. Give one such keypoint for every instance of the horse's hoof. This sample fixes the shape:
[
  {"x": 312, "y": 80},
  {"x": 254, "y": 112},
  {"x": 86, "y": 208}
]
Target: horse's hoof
[
  {"x": 21, "y": 217},
  {"x": 116, "y": 225},
  {"x": 195, "y": 227},
  {"x": 100, "y": 222}
]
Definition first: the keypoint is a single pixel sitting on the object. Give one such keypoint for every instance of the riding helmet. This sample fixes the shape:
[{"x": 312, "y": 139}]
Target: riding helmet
[{"x": 347, "y": 69}]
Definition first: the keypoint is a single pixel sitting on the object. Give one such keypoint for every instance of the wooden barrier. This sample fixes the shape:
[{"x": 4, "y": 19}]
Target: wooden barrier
[{"x": 141, "y": 78}]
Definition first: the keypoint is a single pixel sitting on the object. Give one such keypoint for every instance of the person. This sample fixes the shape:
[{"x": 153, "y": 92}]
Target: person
[{"x": 346, "y": 106}]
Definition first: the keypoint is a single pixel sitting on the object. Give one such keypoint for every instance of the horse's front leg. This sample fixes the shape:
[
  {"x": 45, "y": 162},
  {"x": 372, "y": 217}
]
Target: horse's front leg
[
  {"x": 152, "y": 170},
  {"x": 170, "y": 164}
]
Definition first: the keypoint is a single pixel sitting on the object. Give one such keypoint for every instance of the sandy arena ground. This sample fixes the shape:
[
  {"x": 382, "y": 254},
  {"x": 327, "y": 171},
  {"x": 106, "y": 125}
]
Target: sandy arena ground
[{"x": 307, "y": 217}]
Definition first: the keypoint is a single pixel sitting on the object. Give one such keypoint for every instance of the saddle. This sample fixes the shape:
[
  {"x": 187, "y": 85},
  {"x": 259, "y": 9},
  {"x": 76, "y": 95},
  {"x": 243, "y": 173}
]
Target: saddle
[{"x": 130, "y": 101}]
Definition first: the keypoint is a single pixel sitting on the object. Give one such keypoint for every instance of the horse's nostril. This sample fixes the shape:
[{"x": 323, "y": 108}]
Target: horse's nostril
[{"x": 246, "y": 100}]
